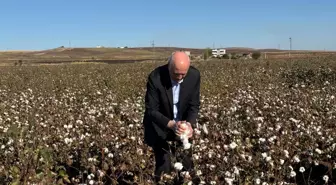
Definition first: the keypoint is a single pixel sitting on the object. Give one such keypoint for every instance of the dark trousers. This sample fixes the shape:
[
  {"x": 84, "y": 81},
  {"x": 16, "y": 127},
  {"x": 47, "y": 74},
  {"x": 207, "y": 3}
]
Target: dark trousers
[{"x": 166, "y": 155}]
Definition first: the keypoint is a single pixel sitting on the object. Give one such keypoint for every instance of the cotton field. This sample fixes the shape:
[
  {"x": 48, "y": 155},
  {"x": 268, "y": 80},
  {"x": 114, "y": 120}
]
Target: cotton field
[{"x": 261, "y": 122}]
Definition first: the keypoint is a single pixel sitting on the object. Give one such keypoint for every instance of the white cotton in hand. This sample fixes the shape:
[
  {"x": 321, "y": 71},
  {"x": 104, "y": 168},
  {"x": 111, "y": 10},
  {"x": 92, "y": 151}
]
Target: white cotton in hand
[
  {"x": 186, "y": 146},
  {"x": 184, "y": 137}
]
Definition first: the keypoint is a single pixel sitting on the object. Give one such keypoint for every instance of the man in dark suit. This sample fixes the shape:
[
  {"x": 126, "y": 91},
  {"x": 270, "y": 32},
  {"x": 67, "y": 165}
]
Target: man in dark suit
[{"x": 173, "y": 96}]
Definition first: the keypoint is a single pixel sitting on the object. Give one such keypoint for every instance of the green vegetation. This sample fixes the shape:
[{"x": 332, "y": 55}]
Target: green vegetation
[
  {"x": 207, "y": 53},
  {"x": 256, "y": 55}
]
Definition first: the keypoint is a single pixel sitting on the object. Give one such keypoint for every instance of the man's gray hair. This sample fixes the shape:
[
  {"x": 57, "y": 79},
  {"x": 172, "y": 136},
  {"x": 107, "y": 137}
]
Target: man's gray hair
[{"x": 170, "y": 60}]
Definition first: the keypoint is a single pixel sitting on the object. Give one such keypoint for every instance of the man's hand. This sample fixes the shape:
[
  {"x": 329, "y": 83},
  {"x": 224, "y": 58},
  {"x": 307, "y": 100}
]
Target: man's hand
[
  {"x": 171, "y": 124},
  {"x": 180, "y": 128}
]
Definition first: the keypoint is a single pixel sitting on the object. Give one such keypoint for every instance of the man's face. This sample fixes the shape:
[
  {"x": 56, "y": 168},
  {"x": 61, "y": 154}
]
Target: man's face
[{"x": 178, "y": 73}]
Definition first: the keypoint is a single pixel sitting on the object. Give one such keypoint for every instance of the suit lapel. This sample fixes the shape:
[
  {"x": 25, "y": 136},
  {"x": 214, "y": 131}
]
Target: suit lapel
[
  {"x": 168, "y": 87},
  {"x": 169, "y": 93}
]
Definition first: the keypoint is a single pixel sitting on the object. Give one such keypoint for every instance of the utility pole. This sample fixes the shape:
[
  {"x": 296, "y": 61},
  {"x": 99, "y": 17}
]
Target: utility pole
[
  {"x": 290, "y": 45},
  {"x": 153, "y": 46}
]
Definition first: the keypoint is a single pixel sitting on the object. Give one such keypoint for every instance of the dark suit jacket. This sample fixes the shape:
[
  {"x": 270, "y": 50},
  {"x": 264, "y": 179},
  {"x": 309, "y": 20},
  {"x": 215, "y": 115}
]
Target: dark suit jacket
[{"x": 159, "y": 106}]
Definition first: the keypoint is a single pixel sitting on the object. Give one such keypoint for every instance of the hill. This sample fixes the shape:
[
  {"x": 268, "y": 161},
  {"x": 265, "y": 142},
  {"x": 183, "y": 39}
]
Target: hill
[{"x": 113, "y": 55}]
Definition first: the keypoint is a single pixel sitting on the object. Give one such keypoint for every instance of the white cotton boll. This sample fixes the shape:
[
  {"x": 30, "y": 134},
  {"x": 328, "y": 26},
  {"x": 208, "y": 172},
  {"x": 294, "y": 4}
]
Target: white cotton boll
[
  {"x": 302, "y": 169},
  {"x": 318, "y": 151},
  {"x": 325, "y": 178},
  {"x": 209, "y": 155},
  {"x": 235, "y": 132},
  {"x": 205, "y": 129},
  {"x": 101, "y": 173},
  {"x": 236, "y": 170},
  {"x": 261, "y": 140},
  {"x": 286, "y": 153},
  {"x": 233, "y": 145},
  {"x": 197, "y": 132},
  {"x": 296, "y": 159},
  {"x": 196, "y": 157},
  {"x": 292, "y": 174},
  {"x": 229, "y": 180},
  {"x": 243, "y": 156},
  {"x": 178, "y": 166},
  {"x": 185, "y": 174},
  {"x": 68, "y": 140},
  {"x": 91, "y": 176},
  {"x": 268, "y": 158},
  {"x": 257, "y": 181}
]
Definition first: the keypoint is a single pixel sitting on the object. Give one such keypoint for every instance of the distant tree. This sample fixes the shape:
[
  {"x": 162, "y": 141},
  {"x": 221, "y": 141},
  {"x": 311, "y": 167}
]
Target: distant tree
[
  {"x": 225, "y": 56},
  {"x": 256, "y": 55},
  {"x": 234, "y": 56},
  {"x": 207, "y": 53}
]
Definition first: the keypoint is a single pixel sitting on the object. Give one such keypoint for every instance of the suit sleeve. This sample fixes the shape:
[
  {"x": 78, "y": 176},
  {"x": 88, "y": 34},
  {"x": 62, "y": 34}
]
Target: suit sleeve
[
  {"x": 194, "y": 103},
  {"x": 152, "y": 104}
]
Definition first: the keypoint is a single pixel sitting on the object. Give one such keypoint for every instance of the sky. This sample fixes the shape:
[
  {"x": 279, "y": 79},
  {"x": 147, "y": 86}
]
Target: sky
[{"x": 43, "y": 24}]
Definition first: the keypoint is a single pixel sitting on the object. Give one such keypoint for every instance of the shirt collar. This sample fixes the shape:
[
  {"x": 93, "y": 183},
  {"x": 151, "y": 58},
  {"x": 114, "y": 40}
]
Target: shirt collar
[{"x": 175, "y": 82}]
